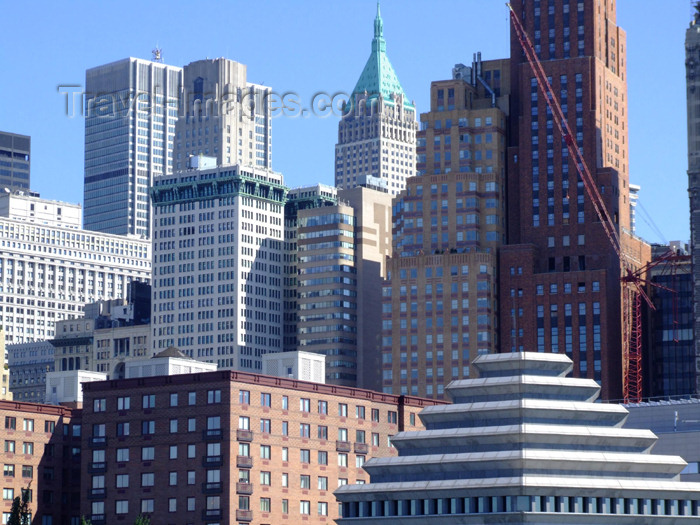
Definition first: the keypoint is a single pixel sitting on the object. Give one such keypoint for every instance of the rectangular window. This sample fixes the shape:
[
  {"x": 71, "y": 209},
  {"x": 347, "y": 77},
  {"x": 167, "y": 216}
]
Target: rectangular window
[
  {"x": 173, "y": 426},
  {"x": 323, "y": 407},
  {"x": 305, "y": 405},
  {"x": 123, "y": 403},
  {"x": 265, "y": 451},
  {"x": 304, "y": 481},
  {"x": 10, "y": 423},
  {"x": 122, "y": 481},
  {"x": 305, "y": 455},
  {"x": 191, "y": 424},
  {"x": 8, "y": 471},
  {"x": 243, "y": 423},
  {"x": 122, "y": 455},
  {"x": 121, "y": 506},
  {"x": 322, "y": 432},
  {"x": 9, "y": 446},
  {"x": 148, "y": 427},
  {"x": 265, "y": 425},
  {"x": 305, "y": 507},
  {"x": 304, "y": 430},
  {"x": 322, "y": 457},
  {"x": 265, "y": 399},
  {"x": 28, "y": 448},
  {"x": 375, "y": 415},
  {"x": 49, "y": 426},
  {"x": 148, "y": 453},
  {"x": 323, "y": 508},
  {"x": 192, "y": 398},
  {"x": 28, "y": 425},
  {"x": 27, "y": 471},
  {"x": 360, "y": 412},
  {"x": 173, "y": 399},
  {"x": 264, "y": 478},
  {"x": 147, "y": 479},
  {"x": 342, "y": 410},
  {"x": 244, "y": 397},
  {"x": 149, "y": 401},
  {"x": 265, "y": 504},
  {"x": 214, "y": 396},
  {"x": 99, "y": 405},
  {"x": 322, "y": 483}
]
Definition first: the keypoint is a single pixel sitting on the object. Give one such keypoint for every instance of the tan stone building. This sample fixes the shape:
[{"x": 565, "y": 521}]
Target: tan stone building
[{"x": 440, "y": 307}]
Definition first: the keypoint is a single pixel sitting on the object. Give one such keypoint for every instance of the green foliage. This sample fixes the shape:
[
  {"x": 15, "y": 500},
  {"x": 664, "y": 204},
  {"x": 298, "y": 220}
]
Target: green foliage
[
  {"x": 19, "y": 513},
  {"x": 142, "y": 520},
  {"x": 85, "y": 521}
]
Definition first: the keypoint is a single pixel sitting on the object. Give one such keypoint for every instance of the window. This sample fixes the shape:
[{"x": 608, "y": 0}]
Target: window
[
  {"x": 28, "y": 448},
  {"x": 10, "y": 423},
  {"x": 285, "y": 454},
  {"x": 123, "y": 429},
  {"x": 265, "y": 451},
  {"x": 122, "y": 455},
  {"x": 147, "y": 479},
  {"x": 123, "y": 403},
  {"x": 148, "y": 427},
  {"x": 375, "y": 439},
  {"x": 243, "y": 423},
  {"x": 265, "y": 399},
  {"x": 214, "y": 396},
  {"x": 191, "y": 424},
  {"x": 148, "y": 453},
  {"x": 304, "y": 430},
  {"x": 359, "y": 461},
  {"x": 173, "y": 426},
  {"x": 265, "y": 425},
  {"x": 391, "y": 417},
  {"x": 173, "y": 399},
  {"x": 9, "y": 471},
  {"x": 121, "y": 506},
  {"x": 8, "y": 494},
  {"x": 342, "y": 434},
  {"x": 28, "y": 425},
  {"x": 305, "y": 481},
  {"x": 323, "y": 407},
  {"x": 322, "y": 483},
  {"x": 192, "y": 450},
  {"x": 305, "y": 455},
  {"x": 322, "y": 457},
  {"x": 360, "y": 412},
  {"x": 149, "y": 401},
  {"x": 285, "y": 479},
  {"x": 191, "y": 477},
  {"x": 342, "y": 410},
  {"x": 305, "y": 405},
  {"x": 342, "y": 460},
  {"x": 9, "y": 446},
  {"x": 285, "y": 506},
  {"x": 285, "y": 428},
  {"x": 147, "y": 506},
  {"x": 265, "y": 504},
  {"x": 322, "y": 508},
  {"x": 122, "y": 481},
  {"x": 375, "y": 415},
  {"x": 322, "y": 432},
  {"x": 304, "y": 507},
  {"x": 214, "y": 423},
  {"x": 264, "y": 478},
  {"x": 172, "y": 504},
  {"x": 49, "y": 426},
  {"x": 192, "y": 398},
  {"x": 342, "y": 481},
  {"x": 285, "y": 403},
  {"x": 99, "y": 405},
  {"x": 27, "y": 471},
  {"x": 190, "y": 504}
]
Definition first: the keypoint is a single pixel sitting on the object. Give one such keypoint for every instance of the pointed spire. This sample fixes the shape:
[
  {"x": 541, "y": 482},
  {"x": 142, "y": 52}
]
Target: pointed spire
[{"x": 378, "y": 24}]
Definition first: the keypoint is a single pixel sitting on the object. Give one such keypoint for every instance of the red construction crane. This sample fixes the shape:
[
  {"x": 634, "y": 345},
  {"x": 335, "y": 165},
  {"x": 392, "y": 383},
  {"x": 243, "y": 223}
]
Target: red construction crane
[{"x": 632, "y": 276}]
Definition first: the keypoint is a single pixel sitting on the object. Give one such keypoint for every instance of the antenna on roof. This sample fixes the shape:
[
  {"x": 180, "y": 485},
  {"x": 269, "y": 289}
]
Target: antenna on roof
[{"x": 157, "y": 54}]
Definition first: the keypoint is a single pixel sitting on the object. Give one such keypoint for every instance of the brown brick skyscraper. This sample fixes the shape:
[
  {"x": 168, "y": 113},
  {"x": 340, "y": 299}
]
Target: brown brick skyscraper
[{"x": 560, "y": 289}]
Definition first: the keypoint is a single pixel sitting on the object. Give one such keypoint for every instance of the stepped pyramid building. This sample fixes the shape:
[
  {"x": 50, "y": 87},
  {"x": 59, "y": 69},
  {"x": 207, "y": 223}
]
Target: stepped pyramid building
[
  {"x": 377, "y": 134},
  {"x": 523, "y": 444}
]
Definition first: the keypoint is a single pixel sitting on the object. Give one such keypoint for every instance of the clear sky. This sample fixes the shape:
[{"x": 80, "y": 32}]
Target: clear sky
[{"x": 320, "y": 46}]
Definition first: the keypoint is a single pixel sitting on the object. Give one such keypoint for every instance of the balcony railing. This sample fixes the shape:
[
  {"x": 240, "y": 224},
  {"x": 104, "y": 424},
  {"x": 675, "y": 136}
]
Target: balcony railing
[
  {"x": 244, "y": 435},
  {"x": 212, "y": 461},
  {"x": 244, "y": 462},
  {"x": 361, "y": 448},
  {"x": 244, "y": 488},
  {"x": 97, "y": 493},
  {"x": 213, "y": 487},
  {"x": 211, "y": 514},
  {"x": 97, "y": 467},
  {"x": 244, "y": 515},
  {"x": 212, "y": 434},
  {"x": 343, "y": 446},
  {"x": 98, "y": 441}
]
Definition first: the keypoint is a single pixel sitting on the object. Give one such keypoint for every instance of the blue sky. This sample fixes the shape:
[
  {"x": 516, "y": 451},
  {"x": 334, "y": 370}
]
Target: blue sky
[{"x": 313, "y": 46}]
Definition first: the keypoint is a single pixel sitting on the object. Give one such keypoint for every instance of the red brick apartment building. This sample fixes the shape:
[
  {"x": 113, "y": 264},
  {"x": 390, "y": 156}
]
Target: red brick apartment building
[
  {"x": 229, "y": 447},
  {"x": 41, "y": 447}
]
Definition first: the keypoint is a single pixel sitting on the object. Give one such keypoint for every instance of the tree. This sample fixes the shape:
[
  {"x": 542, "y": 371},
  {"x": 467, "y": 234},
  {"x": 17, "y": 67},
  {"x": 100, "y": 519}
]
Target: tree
[
  {"x": 142, "y": 520},
  {"x": 19, "y": 513},
  {"x": 85, "y": 521}
]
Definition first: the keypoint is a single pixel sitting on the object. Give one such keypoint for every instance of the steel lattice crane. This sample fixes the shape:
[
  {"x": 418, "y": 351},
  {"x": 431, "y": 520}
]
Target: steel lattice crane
[{"x": 633, "y": 274}]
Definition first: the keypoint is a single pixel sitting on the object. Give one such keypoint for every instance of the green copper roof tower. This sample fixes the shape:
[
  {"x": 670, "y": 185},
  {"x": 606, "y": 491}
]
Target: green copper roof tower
[
  {"x": 378, "y": 76},
  {"x": 377, "y": 134}
]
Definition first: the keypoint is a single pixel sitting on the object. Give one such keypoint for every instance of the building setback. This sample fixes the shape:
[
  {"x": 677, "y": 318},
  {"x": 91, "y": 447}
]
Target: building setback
[
  {"x": 692, "y": 63},
  {"x": 223, "y": 116},
  {"x": 230, "y": 447},
  {"x": 523, "y": 444},
  {"x": 15, "y": 161},
  {"x": 559, "y": 268},
  {"x": 218, "y": 245},
  {"x": 440, "y": 305},
  {"x": 50, "y": 268},
  {"x": 377, "y": 133},
  {"x": 131, "y": 107}
]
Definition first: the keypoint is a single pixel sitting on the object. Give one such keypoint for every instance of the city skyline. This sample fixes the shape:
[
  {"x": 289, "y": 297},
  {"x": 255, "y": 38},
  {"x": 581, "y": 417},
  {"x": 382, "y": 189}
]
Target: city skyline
[{"x": 419, "y": 54}]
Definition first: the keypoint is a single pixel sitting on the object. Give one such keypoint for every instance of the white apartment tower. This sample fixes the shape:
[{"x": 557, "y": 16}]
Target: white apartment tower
[
  {"x": 50, "y": 268},
  {"x": 218, "y": 250},
  {"x": 223, "y": 116},
  {"x": 377, "y": 133},
  {"x": 131, "y": 107}
]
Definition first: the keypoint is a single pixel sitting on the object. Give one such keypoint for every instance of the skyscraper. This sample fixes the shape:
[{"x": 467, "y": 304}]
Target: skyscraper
[
  {"x": 217, "y": 256},
  {"x": 223, "y": 116},
  {"x": 440, "y": 305},
  {"x": 559, "y": 268},
  {"x": 692, "y": 64},
  {"x": 130, "y": 115},
  {"x": 15, "y": 159},
  {"x": 377, "y": 133}
]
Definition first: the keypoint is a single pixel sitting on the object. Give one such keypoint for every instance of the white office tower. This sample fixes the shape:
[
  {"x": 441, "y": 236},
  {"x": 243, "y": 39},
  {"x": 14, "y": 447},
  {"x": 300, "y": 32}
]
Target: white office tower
[
  {"x": 223, "y": 116},
  {"x": 131, "y": 107},
  {"x": 377, "y": 132},
  {"x": 524, "y": 443},
  {"x": 49, "y": 267},
  {"x": 217, "y": 255}
]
